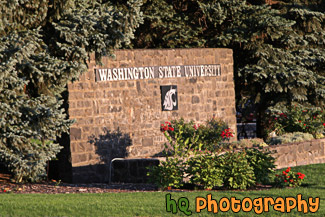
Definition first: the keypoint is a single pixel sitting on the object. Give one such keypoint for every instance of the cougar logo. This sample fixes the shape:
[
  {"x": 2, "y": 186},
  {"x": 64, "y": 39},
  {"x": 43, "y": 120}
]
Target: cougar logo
[{"x": 168, "y": 101}]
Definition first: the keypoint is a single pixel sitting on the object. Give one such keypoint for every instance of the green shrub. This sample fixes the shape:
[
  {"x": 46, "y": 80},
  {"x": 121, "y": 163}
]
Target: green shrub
[
  {"x": 290, "y": 137},
  {"x": 236, "y": 171},
  {"x": 262, "y": 163},
  {"x": 169, "y": 173},
  {"x": 204, "y": 171}
]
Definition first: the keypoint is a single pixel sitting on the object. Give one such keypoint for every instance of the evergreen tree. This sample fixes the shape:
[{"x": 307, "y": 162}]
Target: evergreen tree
[
  {"x": 278, "y": 45},
  {"x": 283, "y": 60},
  {"x": 43, "y": 45}
]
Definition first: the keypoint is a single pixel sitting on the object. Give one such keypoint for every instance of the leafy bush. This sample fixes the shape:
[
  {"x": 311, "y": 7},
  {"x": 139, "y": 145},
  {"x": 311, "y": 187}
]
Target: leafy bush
[
  {"x": 262, "y": 163},
  {"x": 296, "y": 118},
  {"x": 169, "y": 173},
  {"x": 288, "y": 178},
  {"x": 290, "y": 137},
  {"x": 205, "y": 171},
  {"x": 237, "y": 173}
]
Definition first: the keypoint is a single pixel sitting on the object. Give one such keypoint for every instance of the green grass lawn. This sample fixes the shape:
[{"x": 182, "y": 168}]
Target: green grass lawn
[{"x": 153, "y": 203}]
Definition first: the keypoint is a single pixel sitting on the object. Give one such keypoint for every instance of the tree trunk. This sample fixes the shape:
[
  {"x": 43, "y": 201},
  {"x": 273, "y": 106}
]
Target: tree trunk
[{"x": 260, "y": 121}]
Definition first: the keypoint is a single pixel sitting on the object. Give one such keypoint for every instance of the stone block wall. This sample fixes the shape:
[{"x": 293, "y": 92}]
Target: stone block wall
[
  {"x": 298, "y": 154},
  {"x": 121, "y": 119},
  {"x": 132, "y": 170}
]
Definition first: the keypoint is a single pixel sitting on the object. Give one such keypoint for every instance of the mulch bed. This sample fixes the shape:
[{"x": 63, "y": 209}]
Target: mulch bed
[{"x": 54, "y": 187}]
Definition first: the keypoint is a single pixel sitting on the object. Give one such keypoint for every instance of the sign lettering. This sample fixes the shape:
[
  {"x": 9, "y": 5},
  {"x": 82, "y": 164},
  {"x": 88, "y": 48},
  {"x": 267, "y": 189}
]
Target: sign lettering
[{"x": 151, "y": 72}]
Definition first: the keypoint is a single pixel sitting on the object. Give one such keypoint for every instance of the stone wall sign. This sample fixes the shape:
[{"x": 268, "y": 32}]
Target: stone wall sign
[
  {"x": 119, "y": 106},
  {"x": 149, "y": 72}
]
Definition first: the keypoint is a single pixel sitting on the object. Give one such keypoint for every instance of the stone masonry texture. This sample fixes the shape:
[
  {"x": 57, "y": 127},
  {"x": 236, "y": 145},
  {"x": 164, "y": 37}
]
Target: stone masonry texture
[
  {"x": 121, "y": 119},
  {"x": 298, "y": 154}
]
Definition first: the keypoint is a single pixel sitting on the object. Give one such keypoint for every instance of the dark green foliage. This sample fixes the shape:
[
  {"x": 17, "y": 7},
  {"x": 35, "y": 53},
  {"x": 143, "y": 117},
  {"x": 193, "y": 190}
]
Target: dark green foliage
[
  {"x": 170, "y": 24},
  {"x": 237, "y": 172},
  {"x": 43, "y": 46},
  {"x": 169, "y": 173},
  {"x": 263, "y": 164},
  {"x": 204, "y": 170}
]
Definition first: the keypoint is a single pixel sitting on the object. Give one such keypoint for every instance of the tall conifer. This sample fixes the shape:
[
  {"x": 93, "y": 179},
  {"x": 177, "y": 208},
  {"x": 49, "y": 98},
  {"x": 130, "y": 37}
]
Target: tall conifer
[{"x": 43, "y": 45}]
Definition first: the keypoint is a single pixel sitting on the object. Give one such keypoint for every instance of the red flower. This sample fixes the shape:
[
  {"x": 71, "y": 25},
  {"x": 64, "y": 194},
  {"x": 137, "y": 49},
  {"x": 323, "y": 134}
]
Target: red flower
[
  {"x": 302, "y": 176},
  {"x": 285, "y": 181},
  {"x": 287, "y": 170},
  {"x": 164, "y": 128},
  {"x": 304, "y": 124},
  {"x": 4, "y": 191},
  {"x": 171, "y": 129},
  {"x": 226, "y": 133},
  {"x": 291, "y": 180},
  {"x": 299, "y": 121},
  {"x": 284, "y": 173},
  {"x": 275, "y": 118}
]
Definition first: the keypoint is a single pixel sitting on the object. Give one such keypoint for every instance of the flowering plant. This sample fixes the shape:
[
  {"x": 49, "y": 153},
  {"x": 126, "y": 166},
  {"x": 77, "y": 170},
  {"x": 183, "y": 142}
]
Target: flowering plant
[
  {"x": 288, "y": 178},
  {"x": 190, "y": 153},
  {"x": 227, "y": 133},
  {"x": 297, "y": 118},
  {"x": 197, "y": 137},
  {"x": 166, "y": 127},
  {"x": 6, "y": 190}
]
